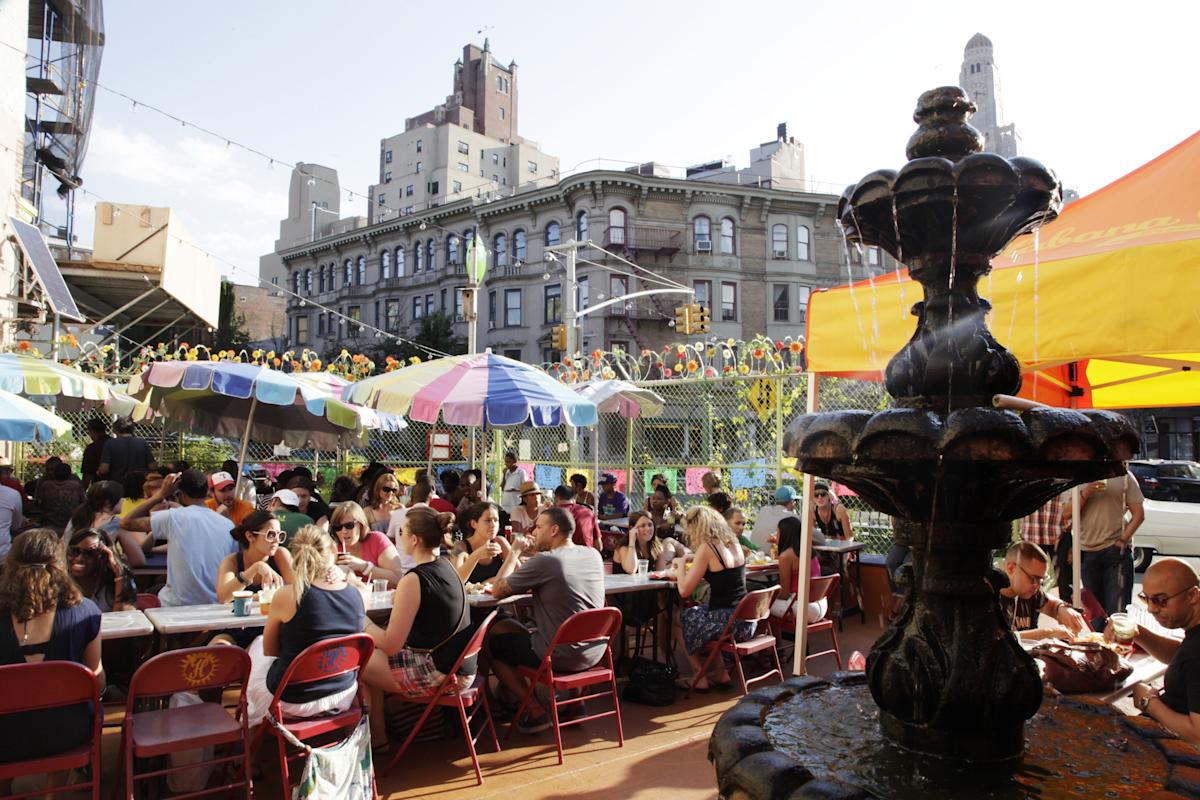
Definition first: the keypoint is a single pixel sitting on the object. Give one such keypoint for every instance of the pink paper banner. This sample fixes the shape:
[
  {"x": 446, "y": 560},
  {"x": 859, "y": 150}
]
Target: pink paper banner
[{"x": 691, "y": 480}]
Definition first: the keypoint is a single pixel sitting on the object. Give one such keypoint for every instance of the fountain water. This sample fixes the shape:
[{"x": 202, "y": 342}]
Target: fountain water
[{"x": 948, "y": 678}]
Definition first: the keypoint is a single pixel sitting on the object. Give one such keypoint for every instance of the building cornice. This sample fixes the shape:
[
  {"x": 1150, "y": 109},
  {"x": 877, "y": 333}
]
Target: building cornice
[{"x": 593, "y": 183}]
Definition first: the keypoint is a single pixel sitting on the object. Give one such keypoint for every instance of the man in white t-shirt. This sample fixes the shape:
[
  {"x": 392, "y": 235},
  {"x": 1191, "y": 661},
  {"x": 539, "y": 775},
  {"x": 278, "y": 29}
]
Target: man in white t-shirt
[
  {"x": 198, "y": 539},
  {"x": 767, "y": 521},
  {"x": 11, "y": 517},
  {"x": 420, "y": 498},
  {"x": 512, "y": 479}
]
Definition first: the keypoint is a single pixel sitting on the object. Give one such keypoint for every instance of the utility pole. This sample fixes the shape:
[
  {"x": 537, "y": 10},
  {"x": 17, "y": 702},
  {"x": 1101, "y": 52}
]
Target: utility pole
[{"x": 568, "y": 314}]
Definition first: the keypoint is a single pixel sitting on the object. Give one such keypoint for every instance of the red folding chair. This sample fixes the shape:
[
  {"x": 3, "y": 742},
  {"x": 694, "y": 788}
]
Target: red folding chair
[
  {"x": 160, "y": 732},
  {"x": 321, "y": 661},
  {"x": 582, "y": 627},
  {"x": 448, "y": 694},
  {"x": 818, "y": 589},
  {"x": 147, "y": 600},
  {"x": 754, "y": 607},
  {"x": 53, "y": 684}
]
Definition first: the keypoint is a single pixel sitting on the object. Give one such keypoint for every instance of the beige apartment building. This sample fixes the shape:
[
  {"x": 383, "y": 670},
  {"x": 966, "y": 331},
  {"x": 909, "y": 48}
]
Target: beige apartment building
[
  {"x": 751, "y": 243},
  {"x": 751, "y": 253}
]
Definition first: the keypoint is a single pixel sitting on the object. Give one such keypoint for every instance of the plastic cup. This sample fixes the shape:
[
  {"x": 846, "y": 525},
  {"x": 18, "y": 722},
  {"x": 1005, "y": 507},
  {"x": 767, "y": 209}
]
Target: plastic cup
[
  {"x": 643, "y": 569},
  {"x": 241, "y": 603},
  {"x": 379, "y": 585},
  {"x": 608, "y": 568},
  {"x": 1124, "y": 627}
]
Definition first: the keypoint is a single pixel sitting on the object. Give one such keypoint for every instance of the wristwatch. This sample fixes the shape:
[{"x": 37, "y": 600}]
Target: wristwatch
[{"x": 1144, "y": 703}]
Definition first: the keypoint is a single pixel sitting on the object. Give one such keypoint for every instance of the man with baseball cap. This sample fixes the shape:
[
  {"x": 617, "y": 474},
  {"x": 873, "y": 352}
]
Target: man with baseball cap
[
  {"x": 221, "y": 498},
  {"x": 611, "y": 504},
  {"x": 767, "y": 521},
  {"x": 285, "y": 505}
]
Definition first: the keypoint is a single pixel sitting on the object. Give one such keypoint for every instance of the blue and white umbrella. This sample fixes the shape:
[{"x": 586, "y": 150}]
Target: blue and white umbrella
[{"x": 24, "y": 421}]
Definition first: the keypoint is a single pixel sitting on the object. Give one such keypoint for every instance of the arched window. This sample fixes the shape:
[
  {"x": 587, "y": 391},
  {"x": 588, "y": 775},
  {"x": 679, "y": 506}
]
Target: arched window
[
  {"x": 348, "y": 268},
  {"x": 308, "y": 281},
  {"x": 779, "y": 241},
  {"x": 581, "y": 226},
  {"x": 616, "y": 226},
  {"x": 385, "y": 264},
  {"x": 296, "y": 282},
  {"x": 518, "y": 247},
  {"x": 362, "y": 270},
  {"x": 803, "y": 239},
  {"x": 400, "y": 261},
  {"x": 418, "y": 257},
  {"x": 468, "y": 237},
  {"x": 728, "y": 236},
  {"x": 500, "y": 250},
  {"x": 451, "y": 249},
  {"x": 553, "y": 234},
  {"x": 430, "y": 255},
  {"x": 321, "y": 278},
  {"x": 702, "y": 234}
]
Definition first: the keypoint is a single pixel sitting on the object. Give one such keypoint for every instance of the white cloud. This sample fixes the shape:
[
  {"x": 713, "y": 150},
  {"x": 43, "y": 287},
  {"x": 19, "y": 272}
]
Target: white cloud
[{"x": 229, "y": 200}]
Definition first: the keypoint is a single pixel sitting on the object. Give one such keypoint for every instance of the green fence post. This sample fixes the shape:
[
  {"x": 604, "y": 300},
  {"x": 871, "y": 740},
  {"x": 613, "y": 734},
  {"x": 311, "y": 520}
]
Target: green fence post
[
  {"x": 779, "y": 429},
  {"x": 629, "y": 482}
]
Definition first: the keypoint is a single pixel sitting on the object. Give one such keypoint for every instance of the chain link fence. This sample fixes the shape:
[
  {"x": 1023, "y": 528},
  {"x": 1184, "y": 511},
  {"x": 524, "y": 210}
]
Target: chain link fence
[{"x": 731, "y": 425}]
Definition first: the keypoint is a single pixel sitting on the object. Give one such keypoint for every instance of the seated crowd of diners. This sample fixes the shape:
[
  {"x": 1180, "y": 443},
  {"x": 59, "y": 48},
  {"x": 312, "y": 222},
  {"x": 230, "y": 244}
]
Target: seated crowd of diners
[{"x": 320, "y": 560}]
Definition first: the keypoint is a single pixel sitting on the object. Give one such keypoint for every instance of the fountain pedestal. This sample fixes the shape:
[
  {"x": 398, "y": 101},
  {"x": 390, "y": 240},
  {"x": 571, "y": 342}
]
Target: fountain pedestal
[{"x": 948, "y": 677}]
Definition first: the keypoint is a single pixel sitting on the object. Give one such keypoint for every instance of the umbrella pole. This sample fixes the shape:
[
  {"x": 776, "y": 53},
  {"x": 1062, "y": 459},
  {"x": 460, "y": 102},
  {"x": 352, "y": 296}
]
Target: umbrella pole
[{"x": 245, "y": 441}]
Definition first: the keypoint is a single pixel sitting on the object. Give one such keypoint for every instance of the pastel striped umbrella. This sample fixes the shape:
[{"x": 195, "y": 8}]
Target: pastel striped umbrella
[
  {"x": 40, "y": 377},
  {"x": 251, "y": 402},
  {"x": 22, "y": 420},
  {"x": 475, "y": 390}
]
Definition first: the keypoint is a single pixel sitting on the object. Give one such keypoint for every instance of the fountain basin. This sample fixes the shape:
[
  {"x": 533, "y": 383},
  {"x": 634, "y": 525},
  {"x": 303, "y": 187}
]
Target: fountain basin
[{"x": 820, "y": 738}]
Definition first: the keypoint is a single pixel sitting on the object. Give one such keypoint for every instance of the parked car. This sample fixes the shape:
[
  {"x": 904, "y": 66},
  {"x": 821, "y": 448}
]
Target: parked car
[
  {"x": 1170, "y": 529},
  {"x": 1173, "y": 481}
]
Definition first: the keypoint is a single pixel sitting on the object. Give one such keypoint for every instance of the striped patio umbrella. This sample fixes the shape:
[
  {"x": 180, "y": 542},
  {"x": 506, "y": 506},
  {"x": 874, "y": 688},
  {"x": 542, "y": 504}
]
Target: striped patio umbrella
[
  {"x": 39, "y": 377},
  {"x": 22, "y": 420},
  {"x": 475, "y": 390}
]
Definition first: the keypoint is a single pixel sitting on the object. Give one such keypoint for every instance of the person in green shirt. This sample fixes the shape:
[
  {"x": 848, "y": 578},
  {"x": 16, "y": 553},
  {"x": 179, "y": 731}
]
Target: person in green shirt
[
  {"x": 285, "y": 505},
  {"x": 736, "y": 519}
]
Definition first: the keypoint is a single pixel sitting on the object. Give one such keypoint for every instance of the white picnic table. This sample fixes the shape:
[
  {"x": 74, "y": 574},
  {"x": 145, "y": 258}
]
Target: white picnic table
[
  {"x": 171, "y": 620},
  {"x": 124, "y": 625}
]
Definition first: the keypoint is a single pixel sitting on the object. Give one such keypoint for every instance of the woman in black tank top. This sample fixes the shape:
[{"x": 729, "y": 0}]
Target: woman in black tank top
[
  {"x": 831, "y": 519},
  {"x": 720, "y": 561},
  {"x": 259, "y": 562},
  {"x": 430, "y": 623}
]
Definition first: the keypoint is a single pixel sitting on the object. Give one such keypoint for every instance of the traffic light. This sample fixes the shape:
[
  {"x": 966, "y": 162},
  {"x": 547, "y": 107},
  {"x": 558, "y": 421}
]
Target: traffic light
[
  {"x": 558, "y": 338},
  {"x": 683, "y": 320},
  {"x": 701, "y": 317}
]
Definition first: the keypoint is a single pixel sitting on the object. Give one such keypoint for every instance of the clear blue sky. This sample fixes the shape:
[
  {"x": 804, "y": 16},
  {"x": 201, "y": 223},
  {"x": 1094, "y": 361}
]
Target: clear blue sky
[{"x": 1095, "y": 88}]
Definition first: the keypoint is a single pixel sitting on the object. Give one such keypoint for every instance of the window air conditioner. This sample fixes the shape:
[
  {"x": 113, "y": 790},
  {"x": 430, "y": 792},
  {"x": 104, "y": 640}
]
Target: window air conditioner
[{"x": 704, "y": 245}]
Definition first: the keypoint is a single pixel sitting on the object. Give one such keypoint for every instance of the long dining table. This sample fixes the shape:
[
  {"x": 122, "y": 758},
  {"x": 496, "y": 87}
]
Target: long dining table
[{"x": 175, "y": 620}]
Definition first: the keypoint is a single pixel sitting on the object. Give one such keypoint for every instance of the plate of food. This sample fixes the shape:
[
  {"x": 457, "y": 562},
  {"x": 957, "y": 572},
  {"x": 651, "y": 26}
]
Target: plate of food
[
  {"x": 479, "y": 588},
  {"x": 664, "y": 575}
]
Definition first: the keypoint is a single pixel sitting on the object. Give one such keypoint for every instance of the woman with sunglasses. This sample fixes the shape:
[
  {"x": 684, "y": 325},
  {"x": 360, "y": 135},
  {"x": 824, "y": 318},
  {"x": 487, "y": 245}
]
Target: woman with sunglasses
[
  {"x": 365, "y": 552},
  {"x": 384, "y": 498},
  {"x": 100, "y": 573},
  {"x": 829, "y": 517},
  {"x": 260, "y": 563}
]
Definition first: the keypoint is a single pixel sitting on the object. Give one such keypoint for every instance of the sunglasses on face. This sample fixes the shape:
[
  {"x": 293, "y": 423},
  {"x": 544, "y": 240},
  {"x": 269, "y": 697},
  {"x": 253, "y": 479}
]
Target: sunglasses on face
[
  {"x": 346, "y": 526},
  {"x": 1161, "y": 600},
  {"x": 273, "y": 536},
  {"x": 388, "y": 489},
  {"x": 820, "y": 494},
  {"x": 84, "y": 552}
]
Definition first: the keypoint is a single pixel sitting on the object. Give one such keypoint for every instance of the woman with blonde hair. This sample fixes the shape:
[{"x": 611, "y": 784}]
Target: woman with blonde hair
[
  {"x": 322, "y": 602},
  {"x": 719, "y": 561},
  {"x": 367, "y": 553},
  {"x": 430, "y": 622},
  {"x": 44, "y": 617},
  {"x": 382, "y": 500}
]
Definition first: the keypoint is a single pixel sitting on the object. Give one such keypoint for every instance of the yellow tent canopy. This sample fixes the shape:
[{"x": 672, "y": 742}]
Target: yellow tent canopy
[{"x": 1101, "y": 306}]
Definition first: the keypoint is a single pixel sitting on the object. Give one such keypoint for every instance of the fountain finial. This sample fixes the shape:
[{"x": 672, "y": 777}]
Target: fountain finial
[{"x": 943, "y": 129}]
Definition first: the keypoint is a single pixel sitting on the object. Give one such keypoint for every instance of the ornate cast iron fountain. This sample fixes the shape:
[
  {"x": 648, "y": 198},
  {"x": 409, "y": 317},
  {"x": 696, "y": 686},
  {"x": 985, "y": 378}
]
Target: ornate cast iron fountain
[{"x": 948, "y": 677}]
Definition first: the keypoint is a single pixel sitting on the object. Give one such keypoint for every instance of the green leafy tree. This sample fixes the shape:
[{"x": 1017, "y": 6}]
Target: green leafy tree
[
  {"x": 230, "y": 333},
  {"x": 435, "y": 331}
]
